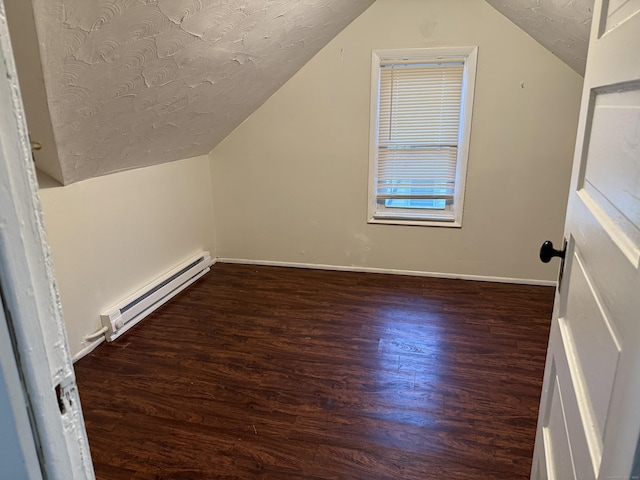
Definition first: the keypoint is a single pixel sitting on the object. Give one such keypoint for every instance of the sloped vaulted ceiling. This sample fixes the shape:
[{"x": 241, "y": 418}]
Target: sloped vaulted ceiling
[
  {"x": 561, "y": 26},
  {"x": 139, "y": 82}
]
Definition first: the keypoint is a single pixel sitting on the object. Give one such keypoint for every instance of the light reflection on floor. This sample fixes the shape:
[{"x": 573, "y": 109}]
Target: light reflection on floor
[{"x": 409, "y": 352}]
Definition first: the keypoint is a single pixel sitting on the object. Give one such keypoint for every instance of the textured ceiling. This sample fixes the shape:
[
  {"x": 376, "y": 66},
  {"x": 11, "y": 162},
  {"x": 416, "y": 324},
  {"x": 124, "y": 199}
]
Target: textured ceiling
[
  {"x": 562, "y": 26},
  {"x": 139, "y": 82}
]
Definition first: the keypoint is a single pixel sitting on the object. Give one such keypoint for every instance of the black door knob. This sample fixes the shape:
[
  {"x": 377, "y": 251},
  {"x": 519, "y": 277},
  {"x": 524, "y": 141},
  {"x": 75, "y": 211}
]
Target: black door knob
[{"x": 547, "y": 252}]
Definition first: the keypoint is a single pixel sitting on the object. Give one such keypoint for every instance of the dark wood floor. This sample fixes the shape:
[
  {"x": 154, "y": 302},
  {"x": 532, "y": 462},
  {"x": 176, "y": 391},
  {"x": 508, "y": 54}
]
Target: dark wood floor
[{"x": 274, "y": 373}]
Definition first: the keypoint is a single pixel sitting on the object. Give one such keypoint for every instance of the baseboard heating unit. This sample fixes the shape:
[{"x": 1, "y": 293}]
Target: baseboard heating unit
[{"x": 133, "y": 309}]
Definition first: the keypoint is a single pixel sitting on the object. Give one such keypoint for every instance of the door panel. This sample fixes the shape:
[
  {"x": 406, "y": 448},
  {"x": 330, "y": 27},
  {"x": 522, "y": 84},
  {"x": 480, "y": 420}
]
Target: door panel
[
  {"x": 557, "y": 437},
  {"x": 611, "y": 165},
  {"x": 618, "y": 11},
  {"x": 589, "y": 422},
  {"x": 561, "y": 384},
  {"x": 612, "y": 172},
  {"x": 592, "y": 347}
]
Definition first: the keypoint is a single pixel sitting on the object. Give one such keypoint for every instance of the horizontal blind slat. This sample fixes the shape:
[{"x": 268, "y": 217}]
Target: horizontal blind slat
[{"x": 418, "y": 130}]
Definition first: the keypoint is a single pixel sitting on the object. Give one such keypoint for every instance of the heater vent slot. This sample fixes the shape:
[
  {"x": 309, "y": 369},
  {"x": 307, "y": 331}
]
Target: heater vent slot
[
  {"x": 133, "y": 309},
  {"x": 158, "y": 287}
]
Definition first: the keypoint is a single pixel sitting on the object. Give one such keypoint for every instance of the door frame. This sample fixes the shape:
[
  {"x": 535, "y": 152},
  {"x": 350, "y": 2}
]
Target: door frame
[{"x": 30, "y": 297}]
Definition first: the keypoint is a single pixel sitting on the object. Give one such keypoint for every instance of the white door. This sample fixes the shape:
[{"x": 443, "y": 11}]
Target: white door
[{"x": 589, "y": 421}]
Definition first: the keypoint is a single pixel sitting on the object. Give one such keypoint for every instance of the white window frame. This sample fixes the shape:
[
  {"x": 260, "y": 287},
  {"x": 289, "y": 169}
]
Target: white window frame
[{"x": 423, "y": 217}]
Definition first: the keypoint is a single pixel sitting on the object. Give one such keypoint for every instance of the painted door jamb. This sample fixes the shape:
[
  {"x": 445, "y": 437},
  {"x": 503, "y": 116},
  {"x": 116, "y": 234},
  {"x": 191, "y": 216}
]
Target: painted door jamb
[{"x": 30, "y": 295}]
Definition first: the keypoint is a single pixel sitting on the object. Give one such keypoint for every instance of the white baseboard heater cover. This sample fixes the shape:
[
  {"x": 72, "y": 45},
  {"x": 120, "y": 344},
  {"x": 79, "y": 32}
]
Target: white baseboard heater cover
[{"x": 130, "y": 311}]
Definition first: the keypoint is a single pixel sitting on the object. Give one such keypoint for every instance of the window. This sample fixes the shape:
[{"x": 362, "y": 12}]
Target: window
[{"x": 421, "y": 103}]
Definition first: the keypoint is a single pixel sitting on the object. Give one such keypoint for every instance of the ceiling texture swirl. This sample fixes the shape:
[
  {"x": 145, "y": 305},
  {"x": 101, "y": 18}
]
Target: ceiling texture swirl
[
  {"x": 138, "y": 82},
  {"x": 131, "y": 83},
  {"x": 561, "y": 26}
]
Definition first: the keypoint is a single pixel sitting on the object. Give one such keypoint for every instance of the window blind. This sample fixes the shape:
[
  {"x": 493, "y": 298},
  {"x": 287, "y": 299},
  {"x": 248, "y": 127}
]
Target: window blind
[{"x": 418, "y": 129}]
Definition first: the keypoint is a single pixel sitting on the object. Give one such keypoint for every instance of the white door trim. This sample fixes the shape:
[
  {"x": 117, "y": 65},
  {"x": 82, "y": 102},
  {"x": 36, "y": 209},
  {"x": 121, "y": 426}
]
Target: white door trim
[{"x": 30, "y": 295}]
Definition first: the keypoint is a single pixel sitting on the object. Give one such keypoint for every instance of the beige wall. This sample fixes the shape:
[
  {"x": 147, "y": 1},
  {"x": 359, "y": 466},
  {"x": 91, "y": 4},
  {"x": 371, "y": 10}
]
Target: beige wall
[
  {"x": 112, "y": 235},
  {"x": 290, "y": 184}
]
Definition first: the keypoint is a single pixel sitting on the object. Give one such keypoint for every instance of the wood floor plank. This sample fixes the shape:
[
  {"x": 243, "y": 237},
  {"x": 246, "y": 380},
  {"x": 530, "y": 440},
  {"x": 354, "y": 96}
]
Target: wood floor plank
[{"x": 276, "y": 373}]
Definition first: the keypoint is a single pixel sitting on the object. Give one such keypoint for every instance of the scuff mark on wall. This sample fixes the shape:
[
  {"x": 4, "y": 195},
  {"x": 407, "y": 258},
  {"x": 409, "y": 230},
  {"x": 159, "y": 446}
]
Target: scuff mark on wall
[
  {"x": 427, "y": 29},
  {"x": 358, "y": 254},
  {"x": 137, "y": 82}
]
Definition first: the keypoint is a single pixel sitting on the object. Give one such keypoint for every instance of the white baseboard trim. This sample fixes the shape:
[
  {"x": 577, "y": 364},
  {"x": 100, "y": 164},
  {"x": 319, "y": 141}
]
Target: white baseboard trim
[
  {"x": 391, "y": 271},
  {"x": 88, "y": 349}
]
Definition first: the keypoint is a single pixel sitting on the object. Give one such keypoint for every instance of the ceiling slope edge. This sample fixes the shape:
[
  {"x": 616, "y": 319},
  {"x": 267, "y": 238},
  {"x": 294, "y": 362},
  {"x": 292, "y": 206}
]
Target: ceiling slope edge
[
  {"x": 561, "y": 26},
  {"x": 132, "y": 83}
]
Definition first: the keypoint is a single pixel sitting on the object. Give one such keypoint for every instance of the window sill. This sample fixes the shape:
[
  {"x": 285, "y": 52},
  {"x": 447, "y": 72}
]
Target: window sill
[{"x": 415, "y": 222}]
